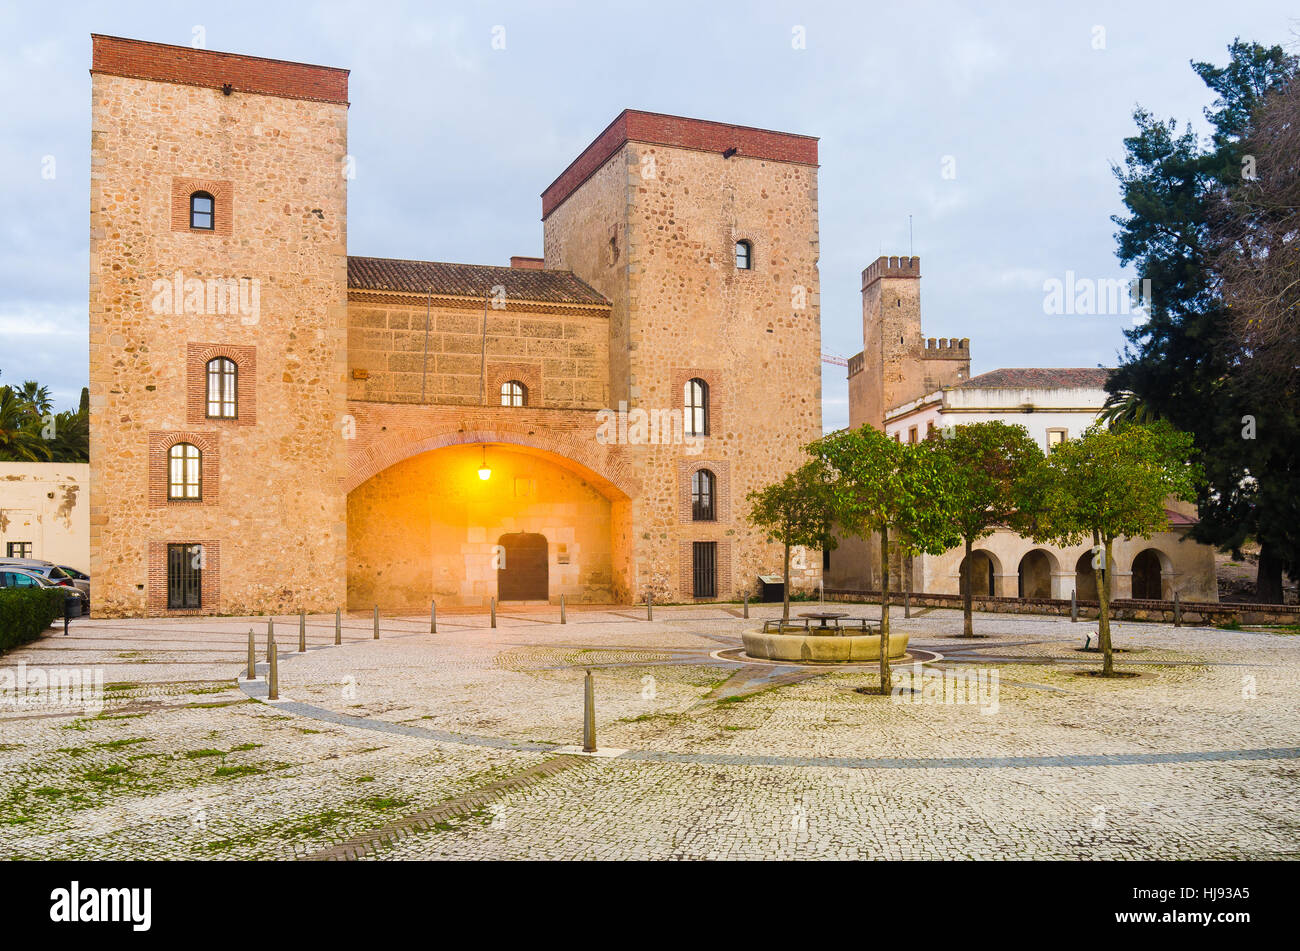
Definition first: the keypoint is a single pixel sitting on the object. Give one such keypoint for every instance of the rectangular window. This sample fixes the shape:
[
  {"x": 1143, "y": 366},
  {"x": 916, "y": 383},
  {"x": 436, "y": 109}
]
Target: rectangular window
[
  {"x": 18, "y": 549},
  {"x": 911, "y": 434},
  {"x": 826, "y": 559},
  {"x": 184, "y": 576},
  {"x": 1055, "y": 437},
  {"x": 201, "y": 212},
  {"x": 705, "y": 569}
]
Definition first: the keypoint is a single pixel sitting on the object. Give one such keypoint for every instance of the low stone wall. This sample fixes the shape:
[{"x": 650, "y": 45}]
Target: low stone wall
[{"x": 1194, "y": 612}]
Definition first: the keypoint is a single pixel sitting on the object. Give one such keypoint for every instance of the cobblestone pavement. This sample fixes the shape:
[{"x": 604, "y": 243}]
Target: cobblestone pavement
[{"x": 453, "y": 744}]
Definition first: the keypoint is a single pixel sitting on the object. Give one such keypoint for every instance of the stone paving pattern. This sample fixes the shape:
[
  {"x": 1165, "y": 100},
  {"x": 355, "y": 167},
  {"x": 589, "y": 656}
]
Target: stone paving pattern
[{"x": 430, "y": 734}]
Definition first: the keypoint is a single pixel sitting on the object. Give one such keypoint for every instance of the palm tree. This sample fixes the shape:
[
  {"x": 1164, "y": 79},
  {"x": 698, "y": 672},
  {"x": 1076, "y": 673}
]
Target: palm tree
[
  {"x": 1125, "y": 407},
  {"x": 20, "y": 429},
  {"x": 39, "y": 396},
  {"x": 71, "y": 442}
]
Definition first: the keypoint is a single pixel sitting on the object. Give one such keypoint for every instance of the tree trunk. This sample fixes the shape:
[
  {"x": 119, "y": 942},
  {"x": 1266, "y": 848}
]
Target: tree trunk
[
  {"x": 967, "y": 628},
  {"x": 785, "y": 608},
  {"x": 1103, "y": 623},
  {"x": 886, "y": 683},
  {"x": 1268, "y": 578}
]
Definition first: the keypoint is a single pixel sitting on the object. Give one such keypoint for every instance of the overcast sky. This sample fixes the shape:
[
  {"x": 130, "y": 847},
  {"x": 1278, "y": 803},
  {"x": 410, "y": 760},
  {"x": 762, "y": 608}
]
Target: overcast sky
[{"x": 455, "y": 140}]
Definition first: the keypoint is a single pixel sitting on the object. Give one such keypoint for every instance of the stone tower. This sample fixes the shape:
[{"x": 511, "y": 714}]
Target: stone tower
[
  {"x": 896, "y": 364},
  {"x": 651, "y": 215},
  {"x": 218, "y": 234}
]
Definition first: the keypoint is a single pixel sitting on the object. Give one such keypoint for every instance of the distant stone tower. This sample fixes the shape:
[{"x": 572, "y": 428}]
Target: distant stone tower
[
  {"x": 896, "y": 364},
  {"x": 218, "y": 272},
  {"x": 704, "y": 238}
]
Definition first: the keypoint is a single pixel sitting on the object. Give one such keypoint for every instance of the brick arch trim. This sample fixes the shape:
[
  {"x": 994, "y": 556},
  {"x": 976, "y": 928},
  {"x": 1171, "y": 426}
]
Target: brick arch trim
[
  {"x": 197, "y": 356},
  {"x": 611, "y": 478}
]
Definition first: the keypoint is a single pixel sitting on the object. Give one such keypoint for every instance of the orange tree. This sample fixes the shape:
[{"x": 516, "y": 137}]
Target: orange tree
[
  {"x": 795, "y": 511},
  {"x": 1107, "y": 484},
  {"x": 989, "y": 465},
  {"x": 879, "y": 485}
]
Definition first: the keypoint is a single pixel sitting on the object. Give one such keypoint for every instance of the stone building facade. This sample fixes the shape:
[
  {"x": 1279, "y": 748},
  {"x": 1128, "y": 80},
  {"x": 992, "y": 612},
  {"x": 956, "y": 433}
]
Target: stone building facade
[
  {"x": 909, "y": 386},
  {"x": 276, "y": 425}
]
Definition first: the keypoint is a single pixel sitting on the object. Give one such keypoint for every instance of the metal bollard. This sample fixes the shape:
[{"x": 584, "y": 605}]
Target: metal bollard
[
  {"x": 273, "y": 673},
  {"x": 252, "y": 656},
  {"x": 562, "y": 619},
  {"x": 433, "y": 617},
  {"x": 376, "y": 622},
  {"x": 1178, "y": 611},
  {"x": 907, "y": 602},
  {"x": 302, "y": 632},
  {"x": 589, "y": 715},
  {"x": 649, "y": 606},
  {"x": 1074, "y": 604},
  {"x": 338, "y": 625},
  {"x": 270, "y": 638},
  {"x": 493, "y": 607},
  {"x": 746, "y": 606}
]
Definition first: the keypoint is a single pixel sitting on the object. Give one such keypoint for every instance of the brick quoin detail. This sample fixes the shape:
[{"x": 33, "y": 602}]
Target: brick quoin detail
[
  {"x": 223, "y": 204},
  {"x": 721, "y": 469},
  {"x": 686, "y": 566},
  {"x": 164, "y": 63},
  {"x": 654, "y": 129},
  {"x": 209, "y": 444},
  {"x": 156, "y": 584},
  {"x": 197, "y": 356}
]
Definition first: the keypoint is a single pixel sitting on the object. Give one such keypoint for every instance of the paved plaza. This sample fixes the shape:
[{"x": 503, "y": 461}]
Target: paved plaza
[{"x": 459, "y": 744}]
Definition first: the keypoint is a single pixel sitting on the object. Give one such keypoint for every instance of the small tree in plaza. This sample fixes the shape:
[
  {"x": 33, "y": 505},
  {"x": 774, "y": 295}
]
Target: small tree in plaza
[
  {"x": 989, "y": 465},
  {"x": 881, "y": 485},
  {"x": 795, "y": 511},
  {"x": 1107, "y": 484}
]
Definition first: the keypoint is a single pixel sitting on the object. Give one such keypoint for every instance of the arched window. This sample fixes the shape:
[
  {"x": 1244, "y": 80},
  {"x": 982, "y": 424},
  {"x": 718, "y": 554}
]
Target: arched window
[
  {"x": 695, "y": 416},
  {"x": 184, "y": 472},
  {"x": 202, "y": 211},
  {"x": 514, "y": 393},
  {"x": 704, "y": 494},
  {"x": 744, "y": 255},
  {"x": 223, "y": 400}
]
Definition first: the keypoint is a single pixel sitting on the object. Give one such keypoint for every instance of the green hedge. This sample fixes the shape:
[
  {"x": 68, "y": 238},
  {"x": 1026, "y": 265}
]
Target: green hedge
[{"x": 26, "y": 612}]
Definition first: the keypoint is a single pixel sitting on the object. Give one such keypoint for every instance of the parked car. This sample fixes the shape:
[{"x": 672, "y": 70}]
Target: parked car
[
  {"x": 48, "y": 569},
  {"x": 79, "y": 578},
  {"x": 14, "y": 576}
]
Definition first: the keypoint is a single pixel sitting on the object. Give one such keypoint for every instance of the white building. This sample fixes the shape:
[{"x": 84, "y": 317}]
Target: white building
[
  {"x": 1053, "y": 404},
  {"x": 45, "y": 512},
  {"x": 907, "y": 385}
]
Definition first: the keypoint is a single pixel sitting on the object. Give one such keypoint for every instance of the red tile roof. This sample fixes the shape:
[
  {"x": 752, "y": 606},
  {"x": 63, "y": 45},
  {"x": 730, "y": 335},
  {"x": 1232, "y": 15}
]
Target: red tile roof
[
  {"x": 469, "y": 280},
  {"x": 1040, "y": 378}
]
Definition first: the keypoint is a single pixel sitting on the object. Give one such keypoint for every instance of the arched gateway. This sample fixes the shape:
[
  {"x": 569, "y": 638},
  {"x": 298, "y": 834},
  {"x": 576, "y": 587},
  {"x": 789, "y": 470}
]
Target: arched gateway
[{"x": 461, "y": 515}]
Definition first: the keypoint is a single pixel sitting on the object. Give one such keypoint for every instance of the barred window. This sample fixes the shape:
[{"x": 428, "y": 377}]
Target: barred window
[
  {"x": 223, "y": 400},
  {"x": 184, "y": 472}
]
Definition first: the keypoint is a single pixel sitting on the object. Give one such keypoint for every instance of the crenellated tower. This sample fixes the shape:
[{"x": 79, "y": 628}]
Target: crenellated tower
[{"x": 897, "y": 364}]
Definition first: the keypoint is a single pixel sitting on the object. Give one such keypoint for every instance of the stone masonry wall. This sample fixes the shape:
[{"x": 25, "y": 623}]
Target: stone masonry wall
[
  {"x": 280, "y": 515},
  {"x": 754, "y": 334},
  {"x": 561, "y": 354}
]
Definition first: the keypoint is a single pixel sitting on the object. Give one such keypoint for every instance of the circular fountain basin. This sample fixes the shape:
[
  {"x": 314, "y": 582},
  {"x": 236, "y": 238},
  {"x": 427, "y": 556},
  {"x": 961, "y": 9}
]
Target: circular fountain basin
[{"x": 817, "y": 647}]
